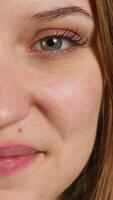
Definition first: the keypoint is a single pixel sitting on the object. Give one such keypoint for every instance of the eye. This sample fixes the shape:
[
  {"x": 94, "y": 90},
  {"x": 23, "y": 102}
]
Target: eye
[{"x": 52, "y": 43}]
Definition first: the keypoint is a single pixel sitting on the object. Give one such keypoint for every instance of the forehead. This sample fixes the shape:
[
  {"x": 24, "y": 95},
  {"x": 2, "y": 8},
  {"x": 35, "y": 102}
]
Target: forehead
[{"x": 13, "y": 8}]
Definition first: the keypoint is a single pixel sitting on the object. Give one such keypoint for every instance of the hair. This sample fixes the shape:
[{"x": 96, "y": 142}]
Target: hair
[{"x": 96, "y": 180}]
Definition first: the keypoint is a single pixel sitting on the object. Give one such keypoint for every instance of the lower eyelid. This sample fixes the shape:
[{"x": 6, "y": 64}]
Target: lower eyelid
[{"x": 63, "y": 54}]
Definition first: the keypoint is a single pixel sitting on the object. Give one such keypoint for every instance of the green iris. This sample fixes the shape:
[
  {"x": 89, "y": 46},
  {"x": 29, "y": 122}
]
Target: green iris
[{"x": 51, "y": 43}]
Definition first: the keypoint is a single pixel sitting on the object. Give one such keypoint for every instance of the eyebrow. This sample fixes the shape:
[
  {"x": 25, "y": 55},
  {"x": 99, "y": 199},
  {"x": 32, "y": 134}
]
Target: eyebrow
[{"x": 60, "y": 13}]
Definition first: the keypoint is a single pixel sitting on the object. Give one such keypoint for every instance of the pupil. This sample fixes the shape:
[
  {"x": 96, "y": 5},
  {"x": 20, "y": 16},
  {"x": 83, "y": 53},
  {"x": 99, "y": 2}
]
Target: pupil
[{"x": 50, "y": 42}]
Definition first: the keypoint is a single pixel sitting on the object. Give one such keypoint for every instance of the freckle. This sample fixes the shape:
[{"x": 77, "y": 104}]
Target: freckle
[{"x": 19, "y": 130}]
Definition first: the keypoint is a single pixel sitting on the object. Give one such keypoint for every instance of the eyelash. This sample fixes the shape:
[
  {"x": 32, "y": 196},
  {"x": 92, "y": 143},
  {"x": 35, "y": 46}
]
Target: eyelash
[{"x": 76, "y": 39}]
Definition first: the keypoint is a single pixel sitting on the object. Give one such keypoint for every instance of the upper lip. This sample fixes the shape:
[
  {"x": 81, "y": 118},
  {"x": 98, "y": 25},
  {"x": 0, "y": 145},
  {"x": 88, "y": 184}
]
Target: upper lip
[{"x": 17, "y": 150}]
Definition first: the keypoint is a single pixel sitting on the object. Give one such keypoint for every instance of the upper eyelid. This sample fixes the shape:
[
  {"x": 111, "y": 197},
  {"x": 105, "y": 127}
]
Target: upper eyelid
[
  {"x": 53, "y": 31},
  {"x": 31, "y": 30}
]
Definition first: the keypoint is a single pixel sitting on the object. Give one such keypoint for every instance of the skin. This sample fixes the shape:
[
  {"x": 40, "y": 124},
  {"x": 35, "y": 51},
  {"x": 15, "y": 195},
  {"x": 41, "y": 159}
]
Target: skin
[{"x": 50, "y": 103}]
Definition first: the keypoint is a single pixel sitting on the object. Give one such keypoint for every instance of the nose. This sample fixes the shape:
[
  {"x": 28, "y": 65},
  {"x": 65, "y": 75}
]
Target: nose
[{"x": 14, "y": 101}]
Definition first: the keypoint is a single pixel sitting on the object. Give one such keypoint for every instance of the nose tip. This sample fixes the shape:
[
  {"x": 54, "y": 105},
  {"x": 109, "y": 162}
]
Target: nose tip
[{"x": 14, "y": 104}]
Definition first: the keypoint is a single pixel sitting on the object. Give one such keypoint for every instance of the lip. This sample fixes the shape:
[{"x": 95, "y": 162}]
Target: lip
[{"x": 14, "y": 158}]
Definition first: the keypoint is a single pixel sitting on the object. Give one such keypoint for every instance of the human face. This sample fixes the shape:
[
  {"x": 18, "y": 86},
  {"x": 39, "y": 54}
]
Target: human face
[{"x": 49, "y": 98}]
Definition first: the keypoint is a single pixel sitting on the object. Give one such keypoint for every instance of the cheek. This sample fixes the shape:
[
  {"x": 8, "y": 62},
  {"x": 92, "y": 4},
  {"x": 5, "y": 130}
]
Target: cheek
[{"x": 73, "y": 104}]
